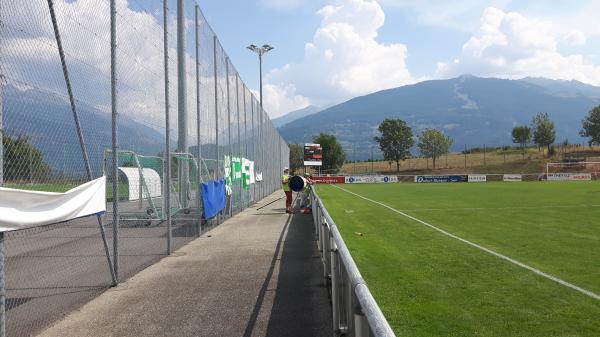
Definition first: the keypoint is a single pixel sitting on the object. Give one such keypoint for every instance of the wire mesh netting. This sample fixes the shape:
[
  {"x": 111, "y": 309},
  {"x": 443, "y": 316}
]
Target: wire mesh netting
[{"x": 56, "y": 121}]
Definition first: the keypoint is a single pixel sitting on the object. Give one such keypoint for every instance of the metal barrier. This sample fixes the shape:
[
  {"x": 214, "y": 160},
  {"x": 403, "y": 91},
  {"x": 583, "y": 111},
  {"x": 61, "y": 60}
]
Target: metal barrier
[{"x": 355, "y": 311}]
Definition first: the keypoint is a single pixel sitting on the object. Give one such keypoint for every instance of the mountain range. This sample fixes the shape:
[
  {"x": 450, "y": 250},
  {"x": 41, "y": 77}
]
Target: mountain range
[
  {"x": 474, "y": 111},
  {"x": 293, "y": 115},
  {"x": 47, "y": 122}
]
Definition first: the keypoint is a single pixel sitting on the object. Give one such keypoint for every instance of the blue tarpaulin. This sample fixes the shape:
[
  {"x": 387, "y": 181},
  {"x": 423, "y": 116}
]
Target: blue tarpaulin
[{"x": 213, "y": 197}]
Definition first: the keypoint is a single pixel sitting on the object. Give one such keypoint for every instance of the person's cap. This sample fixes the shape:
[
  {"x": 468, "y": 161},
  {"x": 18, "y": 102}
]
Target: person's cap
[{"x": 285, "y": 168}]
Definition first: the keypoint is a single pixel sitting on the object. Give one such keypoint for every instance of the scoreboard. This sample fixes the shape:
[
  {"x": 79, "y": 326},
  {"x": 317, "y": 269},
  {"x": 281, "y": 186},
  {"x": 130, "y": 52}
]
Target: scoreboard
[{"x": 313, "y": 155}]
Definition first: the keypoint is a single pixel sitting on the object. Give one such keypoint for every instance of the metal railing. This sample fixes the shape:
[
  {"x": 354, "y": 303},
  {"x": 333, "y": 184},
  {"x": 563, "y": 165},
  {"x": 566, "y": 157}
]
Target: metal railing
[{"x": 355, "y": 311}]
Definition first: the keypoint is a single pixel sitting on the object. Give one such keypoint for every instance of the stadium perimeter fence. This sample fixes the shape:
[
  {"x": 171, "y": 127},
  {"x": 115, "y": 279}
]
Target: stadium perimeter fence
[{"x": 94, "y": 87}]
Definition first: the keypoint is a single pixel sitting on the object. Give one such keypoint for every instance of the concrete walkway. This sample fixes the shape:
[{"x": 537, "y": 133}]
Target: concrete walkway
[{"x": 258, "y": 274}]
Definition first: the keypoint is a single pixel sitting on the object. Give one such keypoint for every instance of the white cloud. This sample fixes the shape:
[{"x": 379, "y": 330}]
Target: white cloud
[
  {"x": 344, "y": 59},
  {"x": 282, "y": 5},
  {"x": 510, "y": 45},
  {"x": 30, "y": 58},
  {"x": 456, "y": 14},
  {"x": 282, "y": 99},
  {"x": 30, "y": 54},
  {"x": 575, "y": 38}
]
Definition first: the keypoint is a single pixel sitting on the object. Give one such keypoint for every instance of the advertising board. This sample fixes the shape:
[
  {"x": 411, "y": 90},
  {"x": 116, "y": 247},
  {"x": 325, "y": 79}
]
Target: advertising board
[
  {"x": 441, "y": 179},
  {"x": 371, "y": 179},
  {"x": 569, "y": 176},
  {"x": 328, "y": 180},
  {"x": 313, "y": 155},
  {"x": 477, "y": 178},
  {"x": 512, "y": 177}
]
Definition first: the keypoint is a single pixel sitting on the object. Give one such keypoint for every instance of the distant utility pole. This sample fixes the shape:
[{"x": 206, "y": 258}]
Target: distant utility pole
[
  {"x": 260, "y": 51},
  {"x": 354, "y": 155},
  {"x": 372, "y": 159},
  {"x": 465, "y": 156},
  {"x": 484, "y": 150}
]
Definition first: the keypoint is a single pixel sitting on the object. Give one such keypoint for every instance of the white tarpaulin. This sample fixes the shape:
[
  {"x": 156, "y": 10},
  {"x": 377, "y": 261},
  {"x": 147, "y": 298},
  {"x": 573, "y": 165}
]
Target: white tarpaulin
[
  {"x": 22, "y": 209},
  {"x": 136, "y": 187},
  {"x": 251, "y": 173}
]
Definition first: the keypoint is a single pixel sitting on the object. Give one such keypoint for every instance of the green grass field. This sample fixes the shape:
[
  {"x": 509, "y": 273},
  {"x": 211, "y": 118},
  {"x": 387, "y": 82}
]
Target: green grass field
[{"x": 429, "y": 284}]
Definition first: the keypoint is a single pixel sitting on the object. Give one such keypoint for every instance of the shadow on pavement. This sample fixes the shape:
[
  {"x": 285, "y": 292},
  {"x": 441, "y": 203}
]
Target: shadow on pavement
[{"x": 301, "y": 306}]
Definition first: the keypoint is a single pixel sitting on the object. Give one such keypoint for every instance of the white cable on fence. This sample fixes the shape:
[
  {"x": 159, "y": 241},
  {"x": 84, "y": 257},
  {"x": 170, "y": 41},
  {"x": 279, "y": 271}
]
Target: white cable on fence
[{"x": 487, "y": 250}]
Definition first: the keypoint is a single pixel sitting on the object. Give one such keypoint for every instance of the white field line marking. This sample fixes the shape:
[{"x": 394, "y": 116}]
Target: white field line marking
[
  {"x": 495, "y": 208},
  {"x": 487, "y": 250}
]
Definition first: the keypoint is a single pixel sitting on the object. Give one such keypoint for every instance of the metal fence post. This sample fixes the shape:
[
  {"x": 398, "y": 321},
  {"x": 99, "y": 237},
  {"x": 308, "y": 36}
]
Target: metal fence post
[
  {"x": 237, "y": 83},
  {"x": 2, "y": 285},
  {"x": 335, "y": 303},
  {"x": 349, "y": 327},
  {"x": 254, "y": 188},
  {"x": 198, "y": 130},
  {"x": 239, "y": 140},
  {"x": 217, "y": 167},
  {"x": 81, "y": 139},
  {"x": 115, "y": 139},
  {"x": 1, "y": 130},
  {"x": 167, "y": 175},
  {"x": 182, "y": 131},
  {"x": 231, "y": 199},
  {"x": 361, "y": 325}
]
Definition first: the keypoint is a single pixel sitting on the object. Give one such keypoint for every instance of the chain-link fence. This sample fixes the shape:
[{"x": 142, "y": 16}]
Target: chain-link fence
[{"x": 166, "y": 116}]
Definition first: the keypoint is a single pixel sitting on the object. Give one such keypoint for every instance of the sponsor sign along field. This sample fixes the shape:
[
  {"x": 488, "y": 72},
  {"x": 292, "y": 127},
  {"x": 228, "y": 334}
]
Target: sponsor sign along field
[
  {"x": 329, "y": 180},
  {"x": 569, "y": 176},
  {"x": 512, "y": 177},
  {"x": 441, "y": 179},
  {"x": 371, "y": 179},
  {"x": 477, "y": 178}
]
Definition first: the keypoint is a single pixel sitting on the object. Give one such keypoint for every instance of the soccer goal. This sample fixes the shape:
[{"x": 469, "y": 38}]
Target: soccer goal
[{"x": 576, "y": 170}]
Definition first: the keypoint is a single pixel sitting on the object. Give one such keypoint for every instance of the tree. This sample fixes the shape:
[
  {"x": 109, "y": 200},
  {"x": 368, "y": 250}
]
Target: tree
[
  {"x": 395, "y": 141},
  {"x": 544, "y": 133},
  {"x": 521, "y": 135},
  {"x": 433, "y": 143},
  {"x": 333, "y": 153},
  {"x": 591, "y": 126},
  {"x": 22, "y": 160},
  {"x": 296, "y": 157}
]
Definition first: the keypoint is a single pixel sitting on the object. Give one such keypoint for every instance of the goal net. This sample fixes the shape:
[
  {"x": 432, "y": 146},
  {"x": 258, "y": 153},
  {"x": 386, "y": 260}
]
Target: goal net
[{"x": 579, "y": 170}]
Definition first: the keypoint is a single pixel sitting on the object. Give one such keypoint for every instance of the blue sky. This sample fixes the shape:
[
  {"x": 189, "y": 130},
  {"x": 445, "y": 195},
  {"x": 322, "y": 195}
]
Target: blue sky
[{"x": 367, "y": 45}]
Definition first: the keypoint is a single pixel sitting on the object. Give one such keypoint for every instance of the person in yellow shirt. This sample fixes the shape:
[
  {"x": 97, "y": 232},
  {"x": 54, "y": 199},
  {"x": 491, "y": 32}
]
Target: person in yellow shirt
[{"x": 285, "y": 178}]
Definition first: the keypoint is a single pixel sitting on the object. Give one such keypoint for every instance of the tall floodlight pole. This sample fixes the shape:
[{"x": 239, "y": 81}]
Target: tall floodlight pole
[
  {"x": 182, "y": 145},
  {"x": 260, "y": 51}
]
